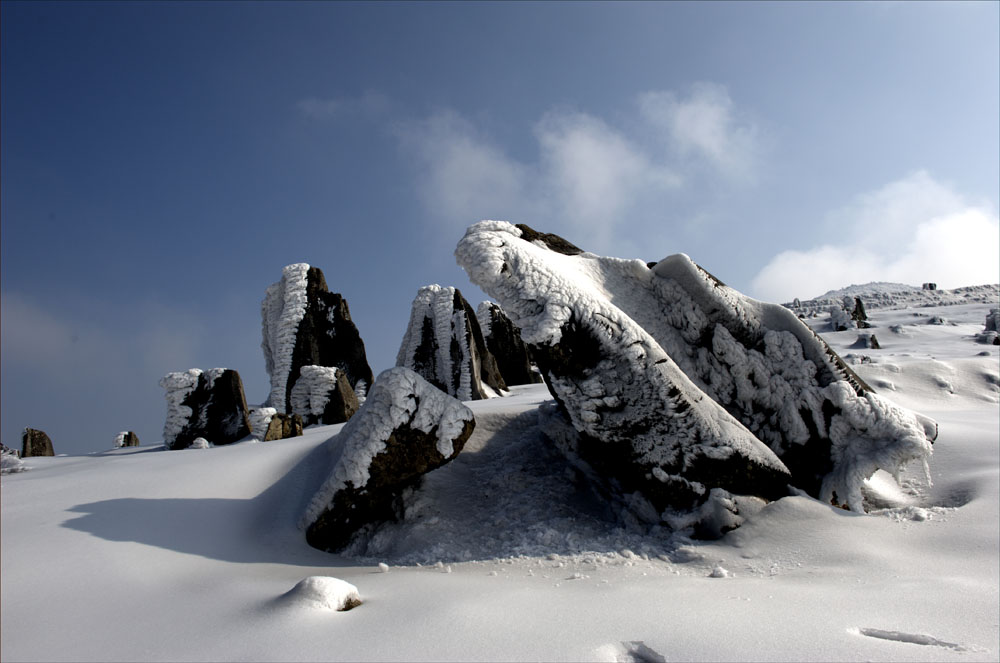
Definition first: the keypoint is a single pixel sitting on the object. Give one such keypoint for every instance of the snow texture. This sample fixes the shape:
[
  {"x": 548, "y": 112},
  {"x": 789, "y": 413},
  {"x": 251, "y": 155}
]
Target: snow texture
[
  {"x": 434, "y": 310},
  {"x": 683, "y": 327},
  {"x": 282, "y": 310},
  {"x": 399, "y": 396},
  {"x": 324, "y": 593},
  {"x": 484, "y": 316},
  {"x": 178, "y": 386},
  {"x": 10, "y": 463},
  {"x": 311, "y": 392},
  {"x": 260, "y": 419}
]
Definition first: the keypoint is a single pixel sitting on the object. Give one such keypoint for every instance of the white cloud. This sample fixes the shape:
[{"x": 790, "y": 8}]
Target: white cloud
[
  {"x": 703, "y": 125},
  {"x": 911, "y": 231}
]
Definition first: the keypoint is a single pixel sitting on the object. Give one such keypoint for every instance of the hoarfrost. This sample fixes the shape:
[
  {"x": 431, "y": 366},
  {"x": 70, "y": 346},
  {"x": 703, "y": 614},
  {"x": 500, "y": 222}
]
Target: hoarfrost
[{"x": 282, "y": 310}]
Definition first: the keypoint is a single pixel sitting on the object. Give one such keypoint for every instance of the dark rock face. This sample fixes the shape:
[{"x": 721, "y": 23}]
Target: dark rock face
[
  {"x": 35, "y": 443},
  {"x": 503, "y": 340},
  {"x": 859, "y": 315},
  {"x": 283, "y": 426},
  {"x": 322, "y": 395},
  {"x": 993, "y": 320},
  {"x": 127, "y": 439},
  {"x": 406, "y": 428},
  {"x": 209, "y": 404},
  {"x": 551, "y": 242},
  {"x": 444, "y": 344},
  {"x": 304, "y": 324}
]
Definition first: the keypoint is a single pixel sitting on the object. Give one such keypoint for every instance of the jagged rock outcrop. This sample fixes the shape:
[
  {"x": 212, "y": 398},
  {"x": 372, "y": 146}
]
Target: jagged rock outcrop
[
  {"x": 504, "y": 342},
  {"x": 35, "y": 442},
  {"x": 676, "y": 385},
  {"x": 304, "y": 324},
  {"x": 444, "y": 344},
  {"x": 322, "y": 395},
  {"x": 267, "y": 424},
  {"x": 406, "y": 428},
  {"x": 208, "y": 404},
  {"x": 126, "y": 438}
]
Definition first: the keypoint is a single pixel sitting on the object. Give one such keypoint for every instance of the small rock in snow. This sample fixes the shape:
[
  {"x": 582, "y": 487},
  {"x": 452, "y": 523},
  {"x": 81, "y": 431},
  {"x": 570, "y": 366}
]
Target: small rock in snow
[
  {"x": 383, "y": 567},
  {"x": 324, "y": 592},
  {"x": 718, "y": 572}
]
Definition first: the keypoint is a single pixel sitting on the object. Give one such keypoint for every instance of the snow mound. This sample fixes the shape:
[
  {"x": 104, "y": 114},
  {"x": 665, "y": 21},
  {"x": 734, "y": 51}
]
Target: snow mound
[
  {"x": 324, "y": 593},
  {"x": 10, "y": 463}
]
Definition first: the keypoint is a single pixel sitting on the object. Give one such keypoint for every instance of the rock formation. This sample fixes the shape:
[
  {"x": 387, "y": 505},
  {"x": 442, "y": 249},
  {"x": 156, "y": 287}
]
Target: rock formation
[
  {"x": 208, "y": 404},
  {"x": 444, "y": 344},
  {"x": 684, "y": 390},
  {"x": 304, "y": 324},
  {"x": 268, "y": 424},
  {"x": 322, "y": 395},
  {"x": 126, "y": 438},
  {"x": 35, "y": 443},
  {"x": 503, "y": 340},
  {"x": 406, "y": 428}
]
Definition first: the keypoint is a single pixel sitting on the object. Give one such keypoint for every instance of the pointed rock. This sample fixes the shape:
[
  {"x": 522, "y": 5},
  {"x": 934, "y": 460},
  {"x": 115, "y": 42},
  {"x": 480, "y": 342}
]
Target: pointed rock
[
  {"x": 35, "y": 442},
  {"x": 444, "y": 344},
  {"x": 406, "y": 428},
  {"x": 504, "y": 342},
  {"x": 304, "y": 324},
  {"x": 208, "y": 404}
]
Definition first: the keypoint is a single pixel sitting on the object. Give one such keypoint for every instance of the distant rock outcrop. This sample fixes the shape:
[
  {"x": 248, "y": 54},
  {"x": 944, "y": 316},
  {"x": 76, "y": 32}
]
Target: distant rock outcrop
[
  {"x": 304, "y": 324},
  {"x": 406, "y": 428},
  {"x": 268, "y": 424},
  {"x": 504, "y": 342},
  {"x": 444, "y": 344},
  {"x": 322, "y": 395},
  {"x": 126, "y": 438},
  {"x": 684, "y": 390},
  {"x": 35, "y": 442},
  {"x": 208, "y": 404}
]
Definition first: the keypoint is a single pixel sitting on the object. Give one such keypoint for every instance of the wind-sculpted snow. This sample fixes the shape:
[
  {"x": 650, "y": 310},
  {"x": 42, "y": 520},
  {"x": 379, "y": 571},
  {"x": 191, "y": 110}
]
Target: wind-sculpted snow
[
  {"x": 444, "y": 344},
  {"x": 676, "y": 358},
  {"x": 406, "y": 428}
]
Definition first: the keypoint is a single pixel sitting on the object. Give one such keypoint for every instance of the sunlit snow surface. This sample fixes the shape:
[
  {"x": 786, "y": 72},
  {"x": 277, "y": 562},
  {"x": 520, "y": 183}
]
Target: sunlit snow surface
[{"x": 140, "y": 554}]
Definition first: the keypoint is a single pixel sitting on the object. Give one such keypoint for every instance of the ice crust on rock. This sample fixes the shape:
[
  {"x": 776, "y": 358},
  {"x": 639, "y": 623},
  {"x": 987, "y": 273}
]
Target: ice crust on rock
[
  {"x": 204, "y": 403},
  {"x": 706, "y": 352},
  {"x": 313, "y": 392},
  {"x": 504, "y": 342},
  {"x": 260, "y": 418},
  {"x": 406, "y": 428},
  {"x": 444, "y": 343},
  {"x": 282, "y": 310}
]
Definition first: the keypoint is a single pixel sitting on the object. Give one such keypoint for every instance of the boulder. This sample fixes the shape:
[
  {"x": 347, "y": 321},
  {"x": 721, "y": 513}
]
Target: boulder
[
  {"x": 676, "y": 384},
  {"x": 126, "y": 438},
  {"x": 208, "y": 404},
  {"x": 282, "y": 426},
  {"x": 859, "y": 315},
  {"x": 406, "y": 428},
  {"x": 504, "y": 342},
  {"x": 35, "y": 443},
  {"x": 304, "y": 324},
  {"x": 993, "y": 320},
  {"x": 323, "y": 395},
  {"x": 444, "y": 344}
]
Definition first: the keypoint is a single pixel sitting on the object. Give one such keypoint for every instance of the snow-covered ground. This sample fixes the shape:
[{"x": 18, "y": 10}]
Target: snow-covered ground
[{"x": 504, "y": 554}]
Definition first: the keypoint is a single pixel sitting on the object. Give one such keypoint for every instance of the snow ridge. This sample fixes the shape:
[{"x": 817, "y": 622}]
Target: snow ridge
[
  {"x": 398, "y": 396},
  {"x": 282, "y": 310}
]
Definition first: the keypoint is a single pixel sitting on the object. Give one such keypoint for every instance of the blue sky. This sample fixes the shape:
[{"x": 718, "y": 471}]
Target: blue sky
[{"x": 161, "y": 162}]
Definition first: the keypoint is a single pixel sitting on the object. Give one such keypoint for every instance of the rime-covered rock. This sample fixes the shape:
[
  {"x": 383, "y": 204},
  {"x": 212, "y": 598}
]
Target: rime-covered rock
[
  {"x": 209, "y": 404},
  {"x": 406, "y": 428},
  {"x": 268, "y": 424},
  {"x": 322, "y": 395},
  {"x": 35, "y": 442},
  {"x": 444, "y": 344},
  {"x": 668, "y": 371},
  {"x": 504, "y": 342},
  {"x": 304, "y": 324},
  {"x": 126, "y": 438}
]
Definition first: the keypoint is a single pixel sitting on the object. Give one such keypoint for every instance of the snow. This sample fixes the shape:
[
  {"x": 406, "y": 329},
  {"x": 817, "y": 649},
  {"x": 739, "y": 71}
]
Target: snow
[
  {"x": 120, "y": 439},
  {"x": 324, "y": 593},
  {"x": 260, "y": 419},
  {"x": 196, "y": 553},
  {"x": 178, "y": 386},
  {"x": 398, "y": 396},
  {"x": 312, "y": 390},
  {"x": 282, "y": 310}
]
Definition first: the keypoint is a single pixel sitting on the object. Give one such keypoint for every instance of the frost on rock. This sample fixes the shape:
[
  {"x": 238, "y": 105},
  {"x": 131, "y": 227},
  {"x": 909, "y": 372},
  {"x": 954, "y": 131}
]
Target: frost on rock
[
  {"x": 504, "y": 342},
  {"x": 444, "y": 344},
  {"x": 406, "y": 428},
  {"x": 208, "y": 404},
  {"x": 322, "y": 395},
  {"x": 126, "y": 438},
  {"x": 304, "y": 324},
  {"x": 680, "y": 372}
]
